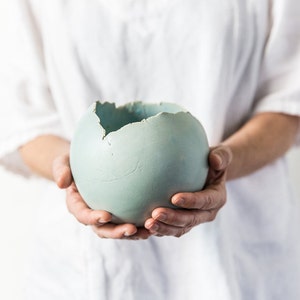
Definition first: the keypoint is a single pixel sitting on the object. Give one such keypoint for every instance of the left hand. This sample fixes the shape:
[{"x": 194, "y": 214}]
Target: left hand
[
  {"x": 194, "y": 208},
  {"x": 99, "y": 220}
]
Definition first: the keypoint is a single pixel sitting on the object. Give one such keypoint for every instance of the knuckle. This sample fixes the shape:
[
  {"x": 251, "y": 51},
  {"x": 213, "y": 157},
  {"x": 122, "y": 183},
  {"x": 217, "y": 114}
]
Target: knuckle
[
  {"x": 209, "y": 201},
  {"x": 80, "y": 219},
  {"x": 179, "y": 234},
  {"x": 98, "y": 232},
  {"x": 101, "y": 236},
  {"x": 212, "y": 216},
  {"x": 193, "y": 220},
  {"x": 84, "y": 217},
  {"x": 183, "y": 231},
  {"x": 224, "y": 200}
]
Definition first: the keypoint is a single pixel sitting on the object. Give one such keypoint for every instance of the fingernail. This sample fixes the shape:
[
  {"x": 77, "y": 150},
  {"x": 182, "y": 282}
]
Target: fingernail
[
  {"x": 127, "y": 234},
  {"x": 100, "y": 221},
  {"x": 179, "y": 202},
  {"x": 162, "y": 217}
]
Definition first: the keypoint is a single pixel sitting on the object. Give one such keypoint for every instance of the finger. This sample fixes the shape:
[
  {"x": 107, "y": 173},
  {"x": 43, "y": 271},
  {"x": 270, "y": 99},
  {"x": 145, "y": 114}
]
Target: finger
[
  {"x": 82, "y": 212},
  {"x": 183, "y": 218},
  {"x": 162, "y": 229},
  {"x": 213, "y": 197},
  {"x": 220, "y": 157},
  {"x": 61, "y": 171},
  {"x": 141, "y": 234},
  {"x": 114, "y": 231}
]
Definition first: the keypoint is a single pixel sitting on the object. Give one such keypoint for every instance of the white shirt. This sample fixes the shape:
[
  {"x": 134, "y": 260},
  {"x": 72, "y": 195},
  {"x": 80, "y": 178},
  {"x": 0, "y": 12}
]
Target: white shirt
[{"x": 223, "y": 61}]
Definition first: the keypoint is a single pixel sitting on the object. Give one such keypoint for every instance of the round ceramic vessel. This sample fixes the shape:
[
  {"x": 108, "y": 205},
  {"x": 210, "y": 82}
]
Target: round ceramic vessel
[{"x": 131, "y": 159}]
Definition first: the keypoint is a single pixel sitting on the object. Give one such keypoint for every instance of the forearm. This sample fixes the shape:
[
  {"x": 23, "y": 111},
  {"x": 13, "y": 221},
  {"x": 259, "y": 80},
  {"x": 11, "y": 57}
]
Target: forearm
[
  {"x": 260, "y": 141},
  {"x": 40, "y": 153}
]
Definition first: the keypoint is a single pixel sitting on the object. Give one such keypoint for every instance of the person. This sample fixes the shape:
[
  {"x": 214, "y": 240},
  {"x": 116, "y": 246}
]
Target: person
[{"x": 234, "y": 65}]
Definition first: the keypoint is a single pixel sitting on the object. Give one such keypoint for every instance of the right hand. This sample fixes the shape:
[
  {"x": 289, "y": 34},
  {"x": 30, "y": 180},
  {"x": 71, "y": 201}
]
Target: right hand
[{"x": 98, "y": 219}]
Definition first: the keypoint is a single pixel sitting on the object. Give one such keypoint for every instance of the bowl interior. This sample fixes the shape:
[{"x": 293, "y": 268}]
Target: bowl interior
[{"x": 113, "y": 118}]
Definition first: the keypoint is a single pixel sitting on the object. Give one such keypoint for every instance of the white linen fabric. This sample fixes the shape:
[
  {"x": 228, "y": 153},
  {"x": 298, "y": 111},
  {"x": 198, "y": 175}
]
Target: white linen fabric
[{"x": 223, "y": 61}]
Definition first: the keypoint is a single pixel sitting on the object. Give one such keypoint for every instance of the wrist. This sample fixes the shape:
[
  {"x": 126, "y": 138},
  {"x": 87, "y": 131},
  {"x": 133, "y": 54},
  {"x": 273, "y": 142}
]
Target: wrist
[{"x": 40, "y": 153}]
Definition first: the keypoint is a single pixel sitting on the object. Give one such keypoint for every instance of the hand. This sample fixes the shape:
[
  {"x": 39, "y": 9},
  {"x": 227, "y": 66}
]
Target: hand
[
  {"x": 198, "y": 207},
  {"x": 98, "y": 219}
]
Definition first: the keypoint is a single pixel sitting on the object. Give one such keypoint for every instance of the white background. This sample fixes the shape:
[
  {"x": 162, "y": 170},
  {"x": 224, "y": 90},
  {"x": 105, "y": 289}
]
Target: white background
[{"x": 19, "y": 198}]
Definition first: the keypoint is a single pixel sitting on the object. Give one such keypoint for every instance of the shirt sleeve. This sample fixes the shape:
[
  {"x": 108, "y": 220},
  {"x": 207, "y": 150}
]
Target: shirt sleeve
[
  {"x": 279, "y": 84},
  {"x": 27, "y": 107}
]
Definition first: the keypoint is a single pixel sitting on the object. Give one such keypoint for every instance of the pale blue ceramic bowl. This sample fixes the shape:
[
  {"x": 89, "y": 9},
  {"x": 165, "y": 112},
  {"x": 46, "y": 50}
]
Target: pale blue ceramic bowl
[{"x": 131, "y": 159}]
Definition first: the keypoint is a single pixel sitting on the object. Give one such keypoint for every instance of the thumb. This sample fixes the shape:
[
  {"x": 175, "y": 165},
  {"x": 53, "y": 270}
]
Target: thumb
[
  {"x": 220, "y": 157},
  {"x": 61, "y": 171}
]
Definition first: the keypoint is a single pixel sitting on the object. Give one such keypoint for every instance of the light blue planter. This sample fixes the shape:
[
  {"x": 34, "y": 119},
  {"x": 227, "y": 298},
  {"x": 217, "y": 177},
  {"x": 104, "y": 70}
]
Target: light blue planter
[{"x": 131, "y": 159}]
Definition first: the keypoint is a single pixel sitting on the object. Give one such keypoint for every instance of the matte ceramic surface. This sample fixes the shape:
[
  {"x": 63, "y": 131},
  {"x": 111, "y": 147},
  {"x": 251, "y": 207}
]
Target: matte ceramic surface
[{"x": 133, "y": 158}]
